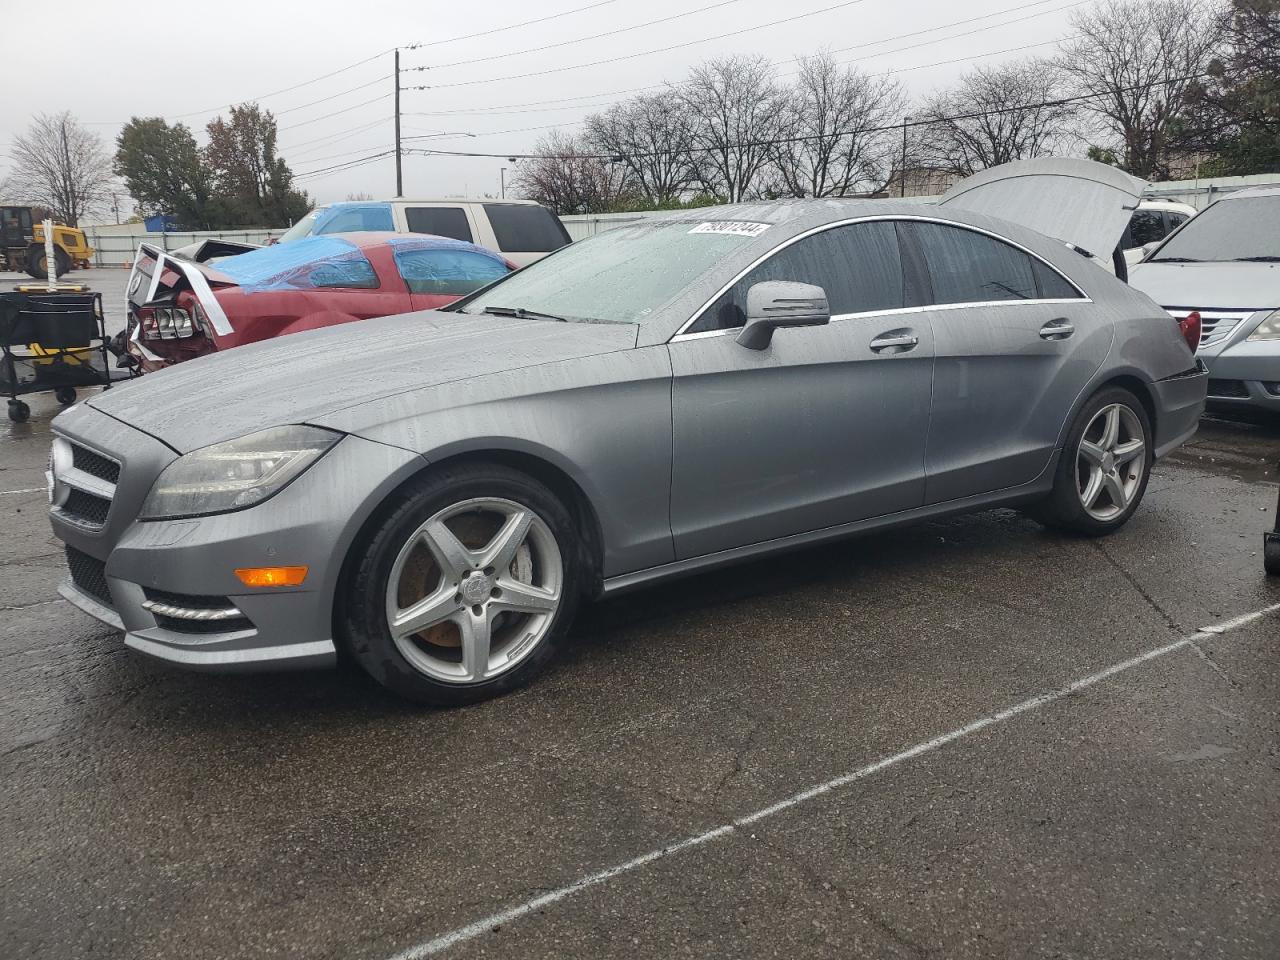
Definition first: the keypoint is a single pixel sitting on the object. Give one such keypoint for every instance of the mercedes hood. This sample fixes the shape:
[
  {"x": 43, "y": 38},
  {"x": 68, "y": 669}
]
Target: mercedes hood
[
  {"x": 1080, "y": 202},
  {"x": 304, "y": 376}
]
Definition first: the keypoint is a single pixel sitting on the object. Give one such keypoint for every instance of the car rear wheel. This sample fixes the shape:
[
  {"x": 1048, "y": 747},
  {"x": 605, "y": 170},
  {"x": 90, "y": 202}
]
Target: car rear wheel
[
  {"x": 1105, "y": 464},
  {"x": 463, "y": 589}
]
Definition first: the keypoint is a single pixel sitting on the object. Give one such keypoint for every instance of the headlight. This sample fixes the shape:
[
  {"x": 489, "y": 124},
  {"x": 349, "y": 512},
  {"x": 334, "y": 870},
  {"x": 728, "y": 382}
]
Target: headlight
[
  {"x": 1268, "y": 329},
  {"x": 237, "y": 473}
]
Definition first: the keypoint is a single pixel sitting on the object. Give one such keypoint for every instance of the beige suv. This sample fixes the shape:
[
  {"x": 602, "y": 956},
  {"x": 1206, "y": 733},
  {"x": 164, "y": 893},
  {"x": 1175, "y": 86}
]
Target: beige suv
[{"x": 521, "y": 230}]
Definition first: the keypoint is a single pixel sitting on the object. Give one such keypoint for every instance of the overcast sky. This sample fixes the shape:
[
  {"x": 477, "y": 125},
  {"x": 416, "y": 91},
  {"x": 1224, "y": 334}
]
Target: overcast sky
[{"x": 188, "y": 61}]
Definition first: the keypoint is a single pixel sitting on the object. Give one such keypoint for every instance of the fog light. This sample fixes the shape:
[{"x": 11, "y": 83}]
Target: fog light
[{"x": 271, "y": 576}]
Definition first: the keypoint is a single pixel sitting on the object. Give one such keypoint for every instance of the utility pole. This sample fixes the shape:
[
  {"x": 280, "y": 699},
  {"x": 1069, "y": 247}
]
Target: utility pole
[
  {"x": 399, "y": 168},
  {"x": 902, "y": 168},
  {"x": 502, "y": 175}
]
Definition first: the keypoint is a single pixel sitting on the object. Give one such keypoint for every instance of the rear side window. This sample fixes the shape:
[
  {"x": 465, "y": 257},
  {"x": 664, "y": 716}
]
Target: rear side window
[
  {"x": 442, "y": 221},
  {"x": 349, "y": 219},
  {"x": 970, "y": 267},
  {"x": 1145, "y": 226},
  {"x": 1052, "y": 285},
  {"x": 448, "y": 272},
  {"x": 525, "y": 228},
  {"x": 858, "y": 266},
  {"x": 352, "y": 272}
]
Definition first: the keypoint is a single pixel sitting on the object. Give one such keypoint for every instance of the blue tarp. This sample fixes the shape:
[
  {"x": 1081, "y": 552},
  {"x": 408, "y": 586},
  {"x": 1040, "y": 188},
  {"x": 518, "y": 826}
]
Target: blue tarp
[{"x": 302, "y": 265}]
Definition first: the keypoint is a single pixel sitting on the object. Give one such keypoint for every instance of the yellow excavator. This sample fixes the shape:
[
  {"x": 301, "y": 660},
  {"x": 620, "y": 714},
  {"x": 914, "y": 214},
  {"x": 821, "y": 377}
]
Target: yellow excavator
[{"x": 22, "y": 244}]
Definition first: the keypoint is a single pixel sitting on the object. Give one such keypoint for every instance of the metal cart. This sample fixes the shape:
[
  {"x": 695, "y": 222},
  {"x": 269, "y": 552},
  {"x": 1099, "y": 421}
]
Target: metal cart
[{"x": 51, "y": 341}]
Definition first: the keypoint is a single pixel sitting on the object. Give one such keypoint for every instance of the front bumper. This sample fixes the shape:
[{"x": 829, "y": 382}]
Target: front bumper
[
  {"x": 131, "y": 565},
  {"x": 1246, "y": 374}
]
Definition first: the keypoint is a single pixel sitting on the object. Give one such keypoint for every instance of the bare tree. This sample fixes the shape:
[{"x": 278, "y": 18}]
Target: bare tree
[
  {"x": 835, "y": 120},
  {"x": 1011, "y": 111},
  {"x": 651, "y": 135},
  {"x": 737, "y": 113},
  {"x": 1137, "y": 60},
  {"x": 60, "y": 165},
  {"x": 569, "y": 177}
]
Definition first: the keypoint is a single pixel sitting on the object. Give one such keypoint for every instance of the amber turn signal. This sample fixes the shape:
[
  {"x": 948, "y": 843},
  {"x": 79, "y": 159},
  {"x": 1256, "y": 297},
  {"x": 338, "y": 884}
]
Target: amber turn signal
[{"x": 272, "y": 576}]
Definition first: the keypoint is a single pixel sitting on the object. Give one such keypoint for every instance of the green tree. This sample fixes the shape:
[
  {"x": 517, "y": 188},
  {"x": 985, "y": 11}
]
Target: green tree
[
  {"x": 166, "y": 172},
  {"x": 1236, "y": 112},
  {"x": 255, "y": 183}
]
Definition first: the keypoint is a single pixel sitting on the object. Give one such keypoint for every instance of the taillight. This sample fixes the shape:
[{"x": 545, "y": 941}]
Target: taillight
[
  {"x": 165, "y": 323},
  {"x": 1190, "y": 327}
]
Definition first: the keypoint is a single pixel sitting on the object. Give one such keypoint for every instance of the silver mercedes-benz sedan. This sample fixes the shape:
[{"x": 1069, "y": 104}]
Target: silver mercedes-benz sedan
[
  {"x": 434, "y": 494},
  {"x": 1224, "y": 266}
]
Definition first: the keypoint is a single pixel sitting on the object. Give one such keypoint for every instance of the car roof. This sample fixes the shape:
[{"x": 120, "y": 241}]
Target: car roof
[
  {"x": 453, "y": 201},
  {"x": 1271, "y": 190}
]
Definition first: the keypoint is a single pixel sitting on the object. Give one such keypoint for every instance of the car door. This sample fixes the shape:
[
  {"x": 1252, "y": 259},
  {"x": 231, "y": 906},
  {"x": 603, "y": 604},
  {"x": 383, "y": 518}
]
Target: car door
[
  {"x": 437, "y": 275},
  {"x": 362, "y": 285},
  {"x": 824, "y": 426},
  {"x": 1015, "y": 344}
]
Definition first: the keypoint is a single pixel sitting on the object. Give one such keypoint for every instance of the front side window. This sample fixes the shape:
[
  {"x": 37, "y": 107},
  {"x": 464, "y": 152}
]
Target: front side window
[
  {"x": 970, "y": 267},
  {"x": 525, "y": 228},
  {"x": 858, "y": 266},
  {"x": 448, "y": 222},
  {"x": 445, "y": 272},
  {"x": 1243, "y": 229}
]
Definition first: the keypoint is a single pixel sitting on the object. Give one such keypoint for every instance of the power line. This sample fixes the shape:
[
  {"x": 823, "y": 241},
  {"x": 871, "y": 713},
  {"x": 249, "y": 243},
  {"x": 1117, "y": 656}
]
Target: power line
[
  {"x": 345, "y": 165},
  {"x": 642, "y": 53},
  {"x": 334, "y": 113},
  {"x": 330, "y": 138},
  {"x": 777, "y": 141},
  {"x": 514, "y": 26},
  {"x": 595, "y": 36}
]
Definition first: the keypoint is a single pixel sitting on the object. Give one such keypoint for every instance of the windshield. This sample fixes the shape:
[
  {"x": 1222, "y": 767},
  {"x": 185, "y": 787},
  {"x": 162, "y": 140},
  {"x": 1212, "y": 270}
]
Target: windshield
[
  {"x": 1244, "y": 229},
  {"x": 303, "y": 227},
  {"x": 623, "y": 275}
]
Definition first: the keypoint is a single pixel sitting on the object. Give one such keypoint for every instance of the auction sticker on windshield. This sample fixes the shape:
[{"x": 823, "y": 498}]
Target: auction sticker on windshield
[{"x": 739, "y": 228}]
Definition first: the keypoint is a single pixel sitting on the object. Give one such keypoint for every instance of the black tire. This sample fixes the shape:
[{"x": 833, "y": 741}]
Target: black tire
[
  {"x": 1064, "y": 508},
  {"x": 37, "y": 268},
  {"x": 19, "y": 411},
  {"x": 361, "y": 616},
  {"x": 65, "y": 395},
  {"x": 1271, "y": 554}
]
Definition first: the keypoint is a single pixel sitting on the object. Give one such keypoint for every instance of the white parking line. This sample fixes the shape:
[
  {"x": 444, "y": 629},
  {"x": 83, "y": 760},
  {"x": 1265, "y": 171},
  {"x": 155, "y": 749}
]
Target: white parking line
[
  {"x": 26, "y": 490},
  {"x": 473, "y": 930}
]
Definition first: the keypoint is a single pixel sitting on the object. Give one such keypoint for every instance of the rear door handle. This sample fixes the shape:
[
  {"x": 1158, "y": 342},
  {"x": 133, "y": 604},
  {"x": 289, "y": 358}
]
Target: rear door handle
[
  {"x": 1058, "y": 329},
  {"x": 899, "y": 341}
]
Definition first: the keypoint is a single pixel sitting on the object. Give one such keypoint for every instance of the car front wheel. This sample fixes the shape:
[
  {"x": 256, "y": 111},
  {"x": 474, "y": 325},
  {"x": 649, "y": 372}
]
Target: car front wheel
[
  {"x": 462, "y": 590},
  {"x": 1105, "y": 464}
]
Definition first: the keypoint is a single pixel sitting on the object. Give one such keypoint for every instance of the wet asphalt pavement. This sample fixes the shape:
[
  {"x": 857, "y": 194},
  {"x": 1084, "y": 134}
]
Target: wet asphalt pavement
[{"x": 149, "y": 812}]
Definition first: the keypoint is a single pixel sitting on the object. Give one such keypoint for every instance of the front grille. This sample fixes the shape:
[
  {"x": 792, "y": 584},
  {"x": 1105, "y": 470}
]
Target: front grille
[
  {"x": 95, "y": 464},
  {"x": 86, "y": 508},
  {"x": 89, "y": 574},
  {"x": 1234, "y": 389}
]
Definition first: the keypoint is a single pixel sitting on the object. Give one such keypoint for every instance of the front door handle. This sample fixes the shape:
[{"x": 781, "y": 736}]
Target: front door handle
[
  {"x": 1058, "y": 329},
  {"x": 897, "y": 341}
]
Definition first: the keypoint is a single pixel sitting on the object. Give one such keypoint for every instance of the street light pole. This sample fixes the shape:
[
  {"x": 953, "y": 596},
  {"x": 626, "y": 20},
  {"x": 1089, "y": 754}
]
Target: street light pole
[
  {"x": 502, "y": 178},
  {"x": 399, "y": 167}
]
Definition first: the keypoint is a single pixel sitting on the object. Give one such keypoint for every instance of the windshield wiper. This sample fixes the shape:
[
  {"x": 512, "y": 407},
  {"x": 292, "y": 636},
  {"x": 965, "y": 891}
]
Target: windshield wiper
[
  {"x": 1265, "y": 258},
  {"x": 1176, "y": 260},
  {"x": 521, "y": 313}
]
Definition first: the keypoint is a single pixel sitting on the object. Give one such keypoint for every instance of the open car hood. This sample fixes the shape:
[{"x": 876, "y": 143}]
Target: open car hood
[{"x": 1080, "y": 202}]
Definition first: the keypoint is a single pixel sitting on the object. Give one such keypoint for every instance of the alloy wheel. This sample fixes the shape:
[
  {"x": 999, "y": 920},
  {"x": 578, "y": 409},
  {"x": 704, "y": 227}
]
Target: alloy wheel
[
  {"x": 1110, "y": 461},
  {"x": 474, "y": 590}
]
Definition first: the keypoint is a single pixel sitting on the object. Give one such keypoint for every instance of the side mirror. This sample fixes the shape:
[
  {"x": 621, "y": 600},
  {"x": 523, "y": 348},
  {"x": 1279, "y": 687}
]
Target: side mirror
[
  {"x": 780, "y": 303},
  {"x": 1148, "y": 248}
]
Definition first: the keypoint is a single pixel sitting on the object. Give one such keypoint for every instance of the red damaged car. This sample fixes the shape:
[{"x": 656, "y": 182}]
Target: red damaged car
[{"x": 214, "y": 295}]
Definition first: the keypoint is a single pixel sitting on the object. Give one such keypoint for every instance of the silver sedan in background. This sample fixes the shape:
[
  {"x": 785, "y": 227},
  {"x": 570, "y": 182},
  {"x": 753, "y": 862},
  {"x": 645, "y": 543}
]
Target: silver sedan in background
[
  {"x": 435, "y": 493},
  {"x": 1224, "y": 266}
]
